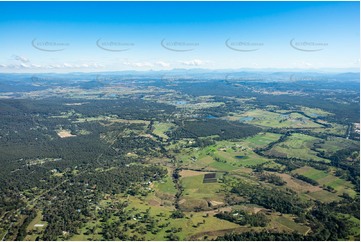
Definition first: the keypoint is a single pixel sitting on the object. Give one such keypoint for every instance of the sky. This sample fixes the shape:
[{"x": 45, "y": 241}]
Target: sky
[{"x": 116, "y": 36}]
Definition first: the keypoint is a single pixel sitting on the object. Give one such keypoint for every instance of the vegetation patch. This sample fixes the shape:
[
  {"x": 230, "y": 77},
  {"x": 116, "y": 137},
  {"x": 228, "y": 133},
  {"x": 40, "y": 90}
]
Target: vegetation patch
[
  {"x": 297, "y": 146},
  {"x": 203, "y": 128},
  {"x": 327, "y": 180}
]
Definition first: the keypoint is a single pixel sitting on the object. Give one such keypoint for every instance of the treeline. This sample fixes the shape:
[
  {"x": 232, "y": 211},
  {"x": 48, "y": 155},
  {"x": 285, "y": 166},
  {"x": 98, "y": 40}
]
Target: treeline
[
  {"x": 262, "y": 236},
  {"x": 344, "y": 159},
  {"x": 305, "y": 179}
]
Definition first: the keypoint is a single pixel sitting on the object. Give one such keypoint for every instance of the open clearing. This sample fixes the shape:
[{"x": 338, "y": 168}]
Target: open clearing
[
  {"x": 307, "y": 190},
  {"x": 323, "y": 178},
  {"x": 198, "y": 194},
  {"x": 297, "y": 146},
  {"x": 286, "y": 223},
  {"x": 333, "y": 144},
  {"x": 277, "y": 120},
  {"x": 314, "y": 112},
  {"x": 190, "y": 225},
  {"x": 261, "y": 140},
  {"x": 64, "y": 133},
  {"x": 36, "y": 225},
  {"x": 166, "y": 185},
  {"x": 161, "y": 128},
  {"x": 188, "y": 173}
]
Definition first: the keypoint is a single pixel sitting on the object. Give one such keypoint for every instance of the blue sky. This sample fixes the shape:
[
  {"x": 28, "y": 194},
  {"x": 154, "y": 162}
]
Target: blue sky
[{"x": 110, "y": 36}]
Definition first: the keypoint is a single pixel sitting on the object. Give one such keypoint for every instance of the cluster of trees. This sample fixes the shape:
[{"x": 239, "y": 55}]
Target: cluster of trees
[
  {"x": 243, "y": 218},
  {"x": 262, "y": 236},
  {"x": 284, "y": 201},
  {"x": 143, "y": 146},
  {"x": 221, "y": 128},
  {"x": 271, "y": 178},
  {"x": 289, "y": 164},
  {"x": 348, "y": 160},
  {"x": 305, "y": 179},
  {"x": 328, "y": 221},
  {"x": 325, "y": 224}
]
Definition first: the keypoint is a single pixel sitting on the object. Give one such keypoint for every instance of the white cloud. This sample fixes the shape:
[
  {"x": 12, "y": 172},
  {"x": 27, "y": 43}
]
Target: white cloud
[
  {"x": 51, "y": 66},
  {"x": 162, "y": 64},
  {"x": 138, "y": 64},
  {"x": 22, "y": 59},
  {"x": 22, "y": 65},
  {"x": 143, "y": 64},
  {"x": 36, "y": 66},
  {"x": 195, "y": 62},
  {"x": 68, "y": 65}
]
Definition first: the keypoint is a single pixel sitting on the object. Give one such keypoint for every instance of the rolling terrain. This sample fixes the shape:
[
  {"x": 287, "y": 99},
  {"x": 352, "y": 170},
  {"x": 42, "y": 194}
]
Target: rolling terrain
[{"x": 146, "y": 157}]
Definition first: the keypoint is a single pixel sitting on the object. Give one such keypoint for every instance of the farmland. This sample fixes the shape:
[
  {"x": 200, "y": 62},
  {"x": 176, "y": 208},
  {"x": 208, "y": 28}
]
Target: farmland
[
  {"x": 326, "y": 179},
  {"x": 297, "y": 146},
  {"x": 142, "y": 159},
  {"x": 277, "y": 120}
]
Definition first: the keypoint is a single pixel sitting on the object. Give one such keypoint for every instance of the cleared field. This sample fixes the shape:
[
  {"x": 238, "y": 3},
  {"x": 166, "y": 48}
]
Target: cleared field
[
  {"x": 297, "y": 146},
  {"x": 314, "y": 112},
  {"x": 277, "y": 120},
  {"x": 310, "y": 172},
  {"x": 64, "y": 133},
  {"x": 323, "y": 178},
  {"x": 298, "y": 185},
  {"x": 197, "y": 194},
  {"x": 245, "y": 158},
  {"x": 188, "y": 173},
  {"x": 261, "y": 140},
  {"x": 335, "y": 128},
  {"x": 166, "y": 185},
  {"x": 287, "y": 223},
  {"x": 307, "y": 190},
  {"x": 192, "y": 223},
  {"x": 161, "y": 128},
  {"x": 198, "y": 161},
  {"x": 36, "y": 226},
  {"x": 221, "y": 166},
  {"x": 334, "y": 144},
  {"x": 324, "y": 196},
  {"x": 237, "y": 154},
  {"x": 225, "y": 156}
]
